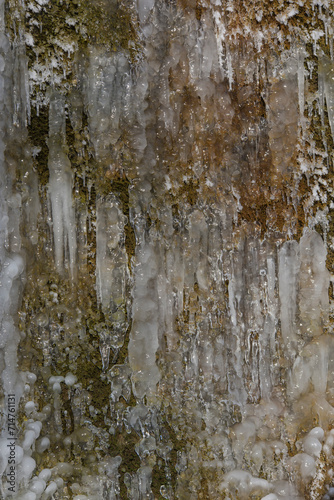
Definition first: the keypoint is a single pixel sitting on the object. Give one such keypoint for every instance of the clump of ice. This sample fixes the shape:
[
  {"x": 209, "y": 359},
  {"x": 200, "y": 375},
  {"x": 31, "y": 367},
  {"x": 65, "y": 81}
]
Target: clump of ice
[
  {"x": 43, "y": 444},
  {"x": 144, "y": 8},
  {"x": 70, "y": 379}
]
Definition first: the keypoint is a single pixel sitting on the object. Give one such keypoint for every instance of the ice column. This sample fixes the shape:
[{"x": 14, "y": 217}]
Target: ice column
[
  {"x": 11, "y": 268},
  {"x": 302, "y": 268},
  {"x": 235, "y": 297},
  {"x": 301, "y": 85},
  {"x": 283, "y": 116},
  {"x": 111, "y": 271},
  {"x": 143, "y": 343},
  {"x": 60, "y": 186},
  {"x": 11, "y": 264},
  {"x": 267, "y": 346},
  {"x": 21, "y": 87},
  {"x": 288, "y": 271},
  {"x": 314, "y": 283}
]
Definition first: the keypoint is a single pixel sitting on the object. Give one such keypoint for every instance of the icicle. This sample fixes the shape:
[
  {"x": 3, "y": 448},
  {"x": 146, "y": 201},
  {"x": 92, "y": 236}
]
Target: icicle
[
  {"x": 21, "y": 92},
  {"x": 229, "y": 66},
  {"x": 326, "y": 89},
  {"x": 321, "y": 90},
  {"x": 60, "y": 186},
  {"x": 105, "y": 350},
  {"x": 289, "y": 264},
  {"x": 144, "y": 8},
  {"x": 326, "y": 30},
  {"x": 111, "y": 258},
  {"x": 21, "y": 88},
  {"x": 319, "y": 358},
  {"x": 301, "y": 80},
  {"x": 316, "y": 35},
  {"x": 144, "y": 341},
  {"x": 313, "y": 284}
]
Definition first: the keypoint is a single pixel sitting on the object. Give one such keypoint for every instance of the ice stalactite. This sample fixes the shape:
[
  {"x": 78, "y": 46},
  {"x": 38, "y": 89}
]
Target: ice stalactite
[
  {"x": 313, "y": 284},
  {"x": 289, "y": 264},
  {"x": 266, "y": 376},
  {"x": 326, "y": 88},
  {"x": 112, "y": 273},
  {"x": 144, "y": 336},
  {"x": 310, "y": 366},
  {"x": 144, "y": 8},
  {"x": 11, "y": 258},
  {"x": 111, "y": 256},
  {"x": 283, "y": 119},
  {"x": 301, "y": 85},
  {"x": 60, "y": 187},
  {"x": 21, "y": 92}
]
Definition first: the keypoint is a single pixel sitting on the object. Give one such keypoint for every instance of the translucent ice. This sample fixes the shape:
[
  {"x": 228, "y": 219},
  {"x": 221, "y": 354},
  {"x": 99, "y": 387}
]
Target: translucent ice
[
  {"x": 314, "y": 283},
  {"x": 144, "y": 333},
  {"x": 289, "y": 264},
  {"x": 144, "y": 8},
  {"x": 326, "y": 87},
  {"x": 60, "y": 187}
]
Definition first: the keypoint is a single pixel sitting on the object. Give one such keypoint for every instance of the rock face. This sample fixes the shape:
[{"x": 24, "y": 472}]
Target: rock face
[{"x": 166, "y": 249}]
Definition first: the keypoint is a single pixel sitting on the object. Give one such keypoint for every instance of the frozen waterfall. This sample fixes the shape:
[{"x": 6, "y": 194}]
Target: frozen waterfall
[{"x": 166, "y": 250}]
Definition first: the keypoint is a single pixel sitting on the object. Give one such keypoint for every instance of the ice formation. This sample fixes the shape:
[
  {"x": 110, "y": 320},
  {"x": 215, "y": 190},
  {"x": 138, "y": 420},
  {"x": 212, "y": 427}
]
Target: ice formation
[
  {"x": 60, "y": 186},
  {"x": 166, "y": 250}
]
